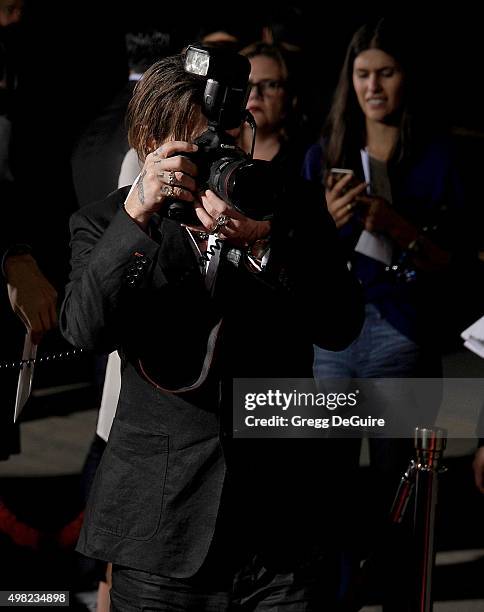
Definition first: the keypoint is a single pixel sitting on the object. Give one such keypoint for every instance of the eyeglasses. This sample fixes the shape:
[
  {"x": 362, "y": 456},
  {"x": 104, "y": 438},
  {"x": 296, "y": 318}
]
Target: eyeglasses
[{"x": 267, "y": 87}]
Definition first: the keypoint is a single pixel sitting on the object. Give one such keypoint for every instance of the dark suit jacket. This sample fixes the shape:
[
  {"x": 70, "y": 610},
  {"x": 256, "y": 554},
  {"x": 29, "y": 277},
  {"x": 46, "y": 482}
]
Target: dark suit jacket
[{"x": 157, "y": 494}]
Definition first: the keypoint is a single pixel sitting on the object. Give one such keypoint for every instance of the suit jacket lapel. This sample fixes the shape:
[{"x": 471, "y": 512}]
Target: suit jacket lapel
[{"x": 176, "y": 257}]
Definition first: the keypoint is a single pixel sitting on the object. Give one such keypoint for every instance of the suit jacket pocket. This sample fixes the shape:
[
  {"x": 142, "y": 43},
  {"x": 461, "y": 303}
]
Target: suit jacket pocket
[{"x": 127, "y": 494}]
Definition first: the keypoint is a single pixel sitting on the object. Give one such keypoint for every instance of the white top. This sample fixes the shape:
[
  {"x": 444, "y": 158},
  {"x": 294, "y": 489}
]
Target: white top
[{"x": 130, "y": 168}]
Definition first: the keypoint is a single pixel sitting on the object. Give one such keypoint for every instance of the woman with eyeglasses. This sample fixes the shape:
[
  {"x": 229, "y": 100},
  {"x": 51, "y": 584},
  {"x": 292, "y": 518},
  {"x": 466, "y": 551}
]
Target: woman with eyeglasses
[{"x": 273, "y": 103}]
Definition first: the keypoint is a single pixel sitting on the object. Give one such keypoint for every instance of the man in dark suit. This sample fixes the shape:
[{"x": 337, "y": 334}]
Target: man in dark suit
[{"x": 189, "y": 517}]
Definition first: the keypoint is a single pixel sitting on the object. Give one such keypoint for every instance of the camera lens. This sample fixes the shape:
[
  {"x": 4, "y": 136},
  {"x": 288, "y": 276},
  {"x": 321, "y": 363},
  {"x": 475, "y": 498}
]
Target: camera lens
[{"x": 250, "y": 185}]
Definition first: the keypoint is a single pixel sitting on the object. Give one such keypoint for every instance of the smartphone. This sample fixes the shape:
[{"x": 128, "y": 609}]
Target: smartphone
[{"x": 339, "y": 173}]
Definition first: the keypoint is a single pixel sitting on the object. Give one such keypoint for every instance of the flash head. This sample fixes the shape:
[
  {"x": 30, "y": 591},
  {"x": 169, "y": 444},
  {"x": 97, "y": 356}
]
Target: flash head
[
  {"x": 227, "y": 83},
  {"x": 197, "y": 61}
]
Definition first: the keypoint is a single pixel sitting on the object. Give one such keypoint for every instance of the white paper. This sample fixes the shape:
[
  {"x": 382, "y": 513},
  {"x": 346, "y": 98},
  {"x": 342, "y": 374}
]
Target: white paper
[
  {"x": 474, "y": 337},
  {"x": 372, "y": 244},
  {"x": 476, "y": 346},
  {"x": 25, "y": 377},
  {"x": 109, "y": 401},
  {"x": 375, "y": 246},
  {"x": 476, "y": 330},
  {"x": 365, "y": 162}
]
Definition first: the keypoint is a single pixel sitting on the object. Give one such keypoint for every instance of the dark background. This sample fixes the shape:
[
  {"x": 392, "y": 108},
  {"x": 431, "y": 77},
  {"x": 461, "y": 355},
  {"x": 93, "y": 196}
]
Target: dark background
[
  {"x": 74, "y": 53},
  {"x": 73, "y": 60}
]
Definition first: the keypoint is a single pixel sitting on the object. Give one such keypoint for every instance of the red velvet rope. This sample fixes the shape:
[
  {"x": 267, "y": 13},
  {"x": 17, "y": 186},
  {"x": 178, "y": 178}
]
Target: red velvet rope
[{"x": 30, "y": 537}]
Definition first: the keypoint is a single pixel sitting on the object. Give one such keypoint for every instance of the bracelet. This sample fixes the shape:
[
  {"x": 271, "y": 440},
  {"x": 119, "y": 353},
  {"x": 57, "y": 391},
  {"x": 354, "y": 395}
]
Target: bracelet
[
  {"x": 258, "y": 248},
  {"x": 415, "y": 245},
  {"x": 257, "y": 254}
]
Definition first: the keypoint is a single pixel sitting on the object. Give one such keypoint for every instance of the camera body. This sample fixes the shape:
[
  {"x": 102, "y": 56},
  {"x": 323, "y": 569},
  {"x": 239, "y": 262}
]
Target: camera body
[{"x": 249, "y": 185}]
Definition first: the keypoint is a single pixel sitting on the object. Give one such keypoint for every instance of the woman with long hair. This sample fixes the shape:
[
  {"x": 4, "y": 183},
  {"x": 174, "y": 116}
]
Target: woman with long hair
[
  {"x": 394, "y": 194},
  {"x": 396, "y": 206}
]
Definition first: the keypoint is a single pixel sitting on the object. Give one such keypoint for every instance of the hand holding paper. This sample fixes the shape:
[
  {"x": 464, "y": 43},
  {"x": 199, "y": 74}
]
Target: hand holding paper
[{"x": 26, "y": 376}]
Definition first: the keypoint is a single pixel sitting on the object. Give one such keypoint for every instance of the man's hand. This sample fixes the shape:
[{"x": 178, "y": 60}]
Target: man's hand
[
  {"x": 31, "y": 295},
  {"x": 164, "y": 175},
  {"x": 478, "y": 467},
  {"x": 236, "y": 228}
]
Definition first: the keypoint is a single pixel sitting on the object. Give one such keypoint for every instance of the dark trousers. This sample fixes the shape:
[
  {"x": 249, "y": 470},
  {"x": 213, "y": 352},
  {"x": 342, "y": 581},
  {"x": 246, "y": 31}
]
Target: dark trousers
[{"x": 253, "y": 587}]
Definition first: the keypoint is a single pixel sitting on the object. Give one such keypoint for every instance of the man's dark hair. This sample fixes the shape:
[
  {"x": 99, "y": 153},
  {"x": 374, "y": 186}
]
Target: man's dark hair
[{"x": 166, "y": 105}]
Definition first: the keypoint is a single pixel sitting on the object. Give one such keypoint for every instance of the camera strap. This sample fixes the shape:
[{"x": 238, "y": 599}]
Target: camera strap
[
  {"x": 205, "y": 369},
  {"x": 209, "y": 261},
  {"x": 213, "y": 263}
]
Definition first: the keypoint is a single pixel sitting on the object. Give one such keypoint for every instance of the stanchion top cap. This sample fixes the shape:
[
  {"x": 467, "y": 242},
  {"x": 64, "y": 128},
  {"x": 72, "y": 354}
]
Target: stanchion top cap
[{"x": 430, "y": 439}]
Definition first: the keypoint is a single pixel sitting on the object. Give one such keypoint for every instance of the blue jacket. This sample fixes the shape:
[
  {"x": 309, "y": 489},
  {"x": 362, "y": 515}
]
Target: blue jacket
[{"x": 428, "y": 193}]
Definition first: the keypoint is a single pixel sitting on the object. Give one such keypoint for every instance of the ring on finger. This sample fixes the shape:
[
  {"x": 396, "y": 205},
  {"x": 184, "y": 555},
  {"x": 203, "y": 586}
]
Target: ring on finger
[
  {"x": 168, "y": 190},
  {"x": 220, "y": 221},
  {"x": 168, "y": 175}
]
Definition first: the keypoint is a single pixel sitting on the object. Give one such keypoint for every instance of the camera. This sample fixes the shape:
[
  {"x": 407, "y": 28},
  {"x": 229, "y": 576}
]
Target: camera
[{"x": 249, "y": 185}]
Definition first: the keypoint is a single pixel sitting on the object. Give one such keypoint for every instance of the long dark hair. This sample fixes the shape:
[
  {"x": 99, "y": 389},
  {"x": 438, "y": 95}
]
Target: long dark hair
[{"x": 345, "y": 128}]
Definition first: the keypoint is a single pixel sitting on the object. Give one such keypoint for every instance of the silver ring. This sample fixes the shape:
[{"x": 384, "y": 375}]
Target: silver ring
[
  {"x": 168, "y": 190},
  {"x": 220, "y": 221},
  {"x": 171, "y": 177}
]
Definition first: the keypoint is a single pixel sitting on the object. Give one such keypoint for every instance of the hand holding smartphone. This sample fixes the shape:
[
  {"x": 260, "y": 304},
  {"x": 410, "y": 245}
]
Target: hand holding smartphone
[
  {"x": 342, "y": 200},
  {"x": 339, "y": 173}
]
